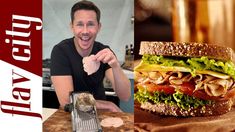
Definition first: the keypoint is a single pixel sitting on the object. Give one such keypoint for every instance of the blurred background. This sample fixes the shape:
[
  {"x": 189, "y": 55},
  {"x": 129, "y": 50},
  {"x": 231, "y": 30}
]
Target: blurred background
[{"x": 207, "y": 21}]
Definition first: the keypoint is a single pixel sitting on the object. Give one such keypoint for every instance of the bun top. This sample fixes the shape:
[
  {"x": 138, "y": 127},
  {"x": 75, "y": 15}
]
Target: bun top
[{"x": 183, "y": 49}]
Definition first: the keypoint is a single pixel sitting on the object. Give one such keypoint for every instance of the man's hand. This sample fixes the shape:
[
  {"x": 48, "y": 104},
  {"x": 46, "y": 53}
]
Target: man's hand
[
  {"x": 107, "y": 56},
  {"x": 120, "y": 83},
  {"x": 107, "y": 105}
]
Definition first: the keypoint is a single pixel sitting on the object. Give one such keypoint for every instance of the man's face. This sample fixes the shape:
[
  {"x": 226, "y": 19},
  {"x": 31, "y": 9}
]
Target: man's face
[{"x": 85, "y": 28}]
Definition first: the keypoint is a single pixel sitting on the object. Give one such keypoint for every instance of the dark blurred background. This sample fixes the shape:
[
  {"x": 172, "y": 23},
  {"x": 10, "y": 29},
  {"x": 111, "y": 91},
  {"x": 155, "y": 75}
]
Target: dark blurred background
[
  {"x": 152, "y": 22},
  {"x": 203, "y": 21}
]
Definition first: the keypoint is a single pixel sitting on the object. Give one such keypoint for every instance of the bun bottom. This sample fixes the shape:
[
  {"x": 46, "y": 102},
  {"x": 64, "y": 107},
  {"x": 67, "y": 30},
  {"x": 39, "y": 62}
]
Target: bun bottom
[{"x": 217, "y": 108}]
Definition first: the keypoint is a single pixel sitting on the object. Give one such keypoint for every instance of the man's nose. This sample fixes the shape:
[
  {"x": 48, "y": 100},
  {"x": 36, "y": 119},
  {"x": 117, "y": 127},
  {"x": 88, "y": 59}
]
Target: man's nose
[{"x": 85, "y": 29}]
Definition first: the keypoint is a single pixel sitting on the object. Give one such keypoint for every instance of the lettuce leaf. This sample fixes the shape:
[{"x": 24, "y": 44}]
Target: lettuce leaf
[
  {"x": 181, "y": 100},
  {"x": 194, "y": 64}
]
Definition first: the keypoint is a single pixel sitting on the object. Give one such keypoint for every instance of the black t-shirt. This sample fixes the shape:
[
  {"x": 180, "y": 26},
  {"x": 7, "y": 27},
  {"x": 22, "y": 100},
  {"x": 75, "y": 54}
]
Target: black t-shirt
[{"x": 65, "y": 60}]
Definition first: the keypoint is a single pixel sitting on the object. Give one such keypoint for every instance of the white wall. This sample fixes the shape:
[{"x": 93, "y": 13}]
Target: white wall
[{"x": 116, "y": 31}]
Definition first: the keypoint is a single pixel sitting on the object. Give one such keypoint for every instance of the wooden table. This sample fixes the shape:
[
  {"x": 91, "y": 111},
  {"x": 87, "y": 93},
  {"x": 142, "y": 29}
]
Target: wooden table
[
  {"x": 146, "y": 121},
  {"x": 60, "y": 121}
]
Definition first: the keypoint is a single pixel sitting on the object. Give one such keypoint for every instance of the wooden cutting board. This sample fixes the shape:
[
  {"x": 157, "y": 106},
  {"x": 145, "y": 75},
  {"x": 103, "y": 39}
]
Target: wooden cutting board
[
  {"x": 60, "y": 121},
  {"x": 146, "y": 121}
]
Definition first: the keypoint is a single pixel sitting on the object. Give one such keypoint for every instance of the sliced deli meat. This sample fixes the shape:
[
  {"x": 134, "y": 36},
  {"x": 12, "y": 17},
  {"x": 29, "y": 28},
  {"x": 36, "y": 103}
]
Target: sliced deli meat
[
  {"x": 90, "y": 65},
  {"x": 111, "y": 122}
]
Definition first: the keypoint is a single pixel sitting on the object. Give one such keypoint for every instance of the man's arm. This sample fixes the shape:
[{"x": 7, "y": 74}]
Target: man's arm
[
  {"x": 120, "y": 83},
  {"x": 63, "y": 86},
  {"x": 107, "y": 105}
]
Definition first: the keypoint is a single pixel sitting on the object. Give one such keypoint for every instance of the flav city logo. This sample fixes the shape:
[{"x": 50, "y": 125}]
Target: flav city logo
[
  {"x": 21, "y": 46},
  {"x": 20, "y": 92}
]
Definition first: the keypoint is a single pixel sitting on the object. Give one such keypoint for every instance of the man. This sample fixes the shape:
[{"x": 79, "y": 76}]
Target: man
[{"x": 67, "y": 72}]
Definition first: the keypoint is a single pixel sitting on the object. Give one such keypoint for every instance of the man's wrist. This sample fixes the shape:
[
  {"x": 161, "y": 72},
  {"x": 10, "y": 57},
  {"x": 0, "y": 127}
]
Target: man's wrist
[{"x": 117, "y": 65}]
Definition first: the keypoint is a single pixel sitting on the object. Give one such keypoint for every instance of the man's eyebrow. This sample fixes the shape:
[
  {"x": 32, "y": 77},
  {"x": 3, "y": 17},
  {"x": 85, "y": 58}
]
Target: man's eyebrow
[
  {"x": 79, "y": 22},
  {"x": 90, "y": 22}
]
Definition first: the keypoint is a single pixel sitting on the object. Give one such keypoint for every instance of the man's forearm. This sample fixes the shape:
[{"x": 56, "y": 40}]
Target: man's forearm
[
  {"x": 122, "y": 84},
  {"x": 101, "y": 104}
]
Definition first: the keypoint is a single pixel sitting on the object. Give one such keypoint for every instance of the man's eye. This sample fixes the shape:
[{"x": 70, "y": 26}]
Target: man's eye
[{"x": 90, "y": 24}]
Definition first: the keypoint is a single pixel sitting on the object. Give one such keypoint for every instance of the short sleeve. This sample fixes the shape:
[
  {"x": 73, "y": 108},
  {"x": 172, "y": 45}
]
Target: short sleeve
[
  {"x": 59, "y": 62},
  {"x": 106, "y": 66}
]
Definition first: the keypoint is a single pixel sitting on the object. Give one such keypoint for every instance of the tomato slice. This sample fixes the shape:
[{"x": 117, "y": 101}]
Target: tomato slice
[
  {"x": 162, "y": 88},
  {"x": 188, "y": 88},
  {"x": 230, "y": 94}
]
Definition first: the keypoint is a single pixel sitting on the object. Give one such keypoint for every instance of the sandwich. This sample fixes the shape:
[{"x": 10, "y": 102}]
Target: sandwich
[{"x": 185, "y": 79}]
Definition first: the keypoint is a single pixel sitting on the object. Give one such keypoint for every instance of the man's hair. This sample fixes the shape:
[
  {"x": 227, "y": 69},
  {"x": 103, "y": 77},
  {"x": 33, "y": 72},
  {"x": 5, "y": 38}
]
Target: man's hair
[{"x": 85, "y": 5}]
